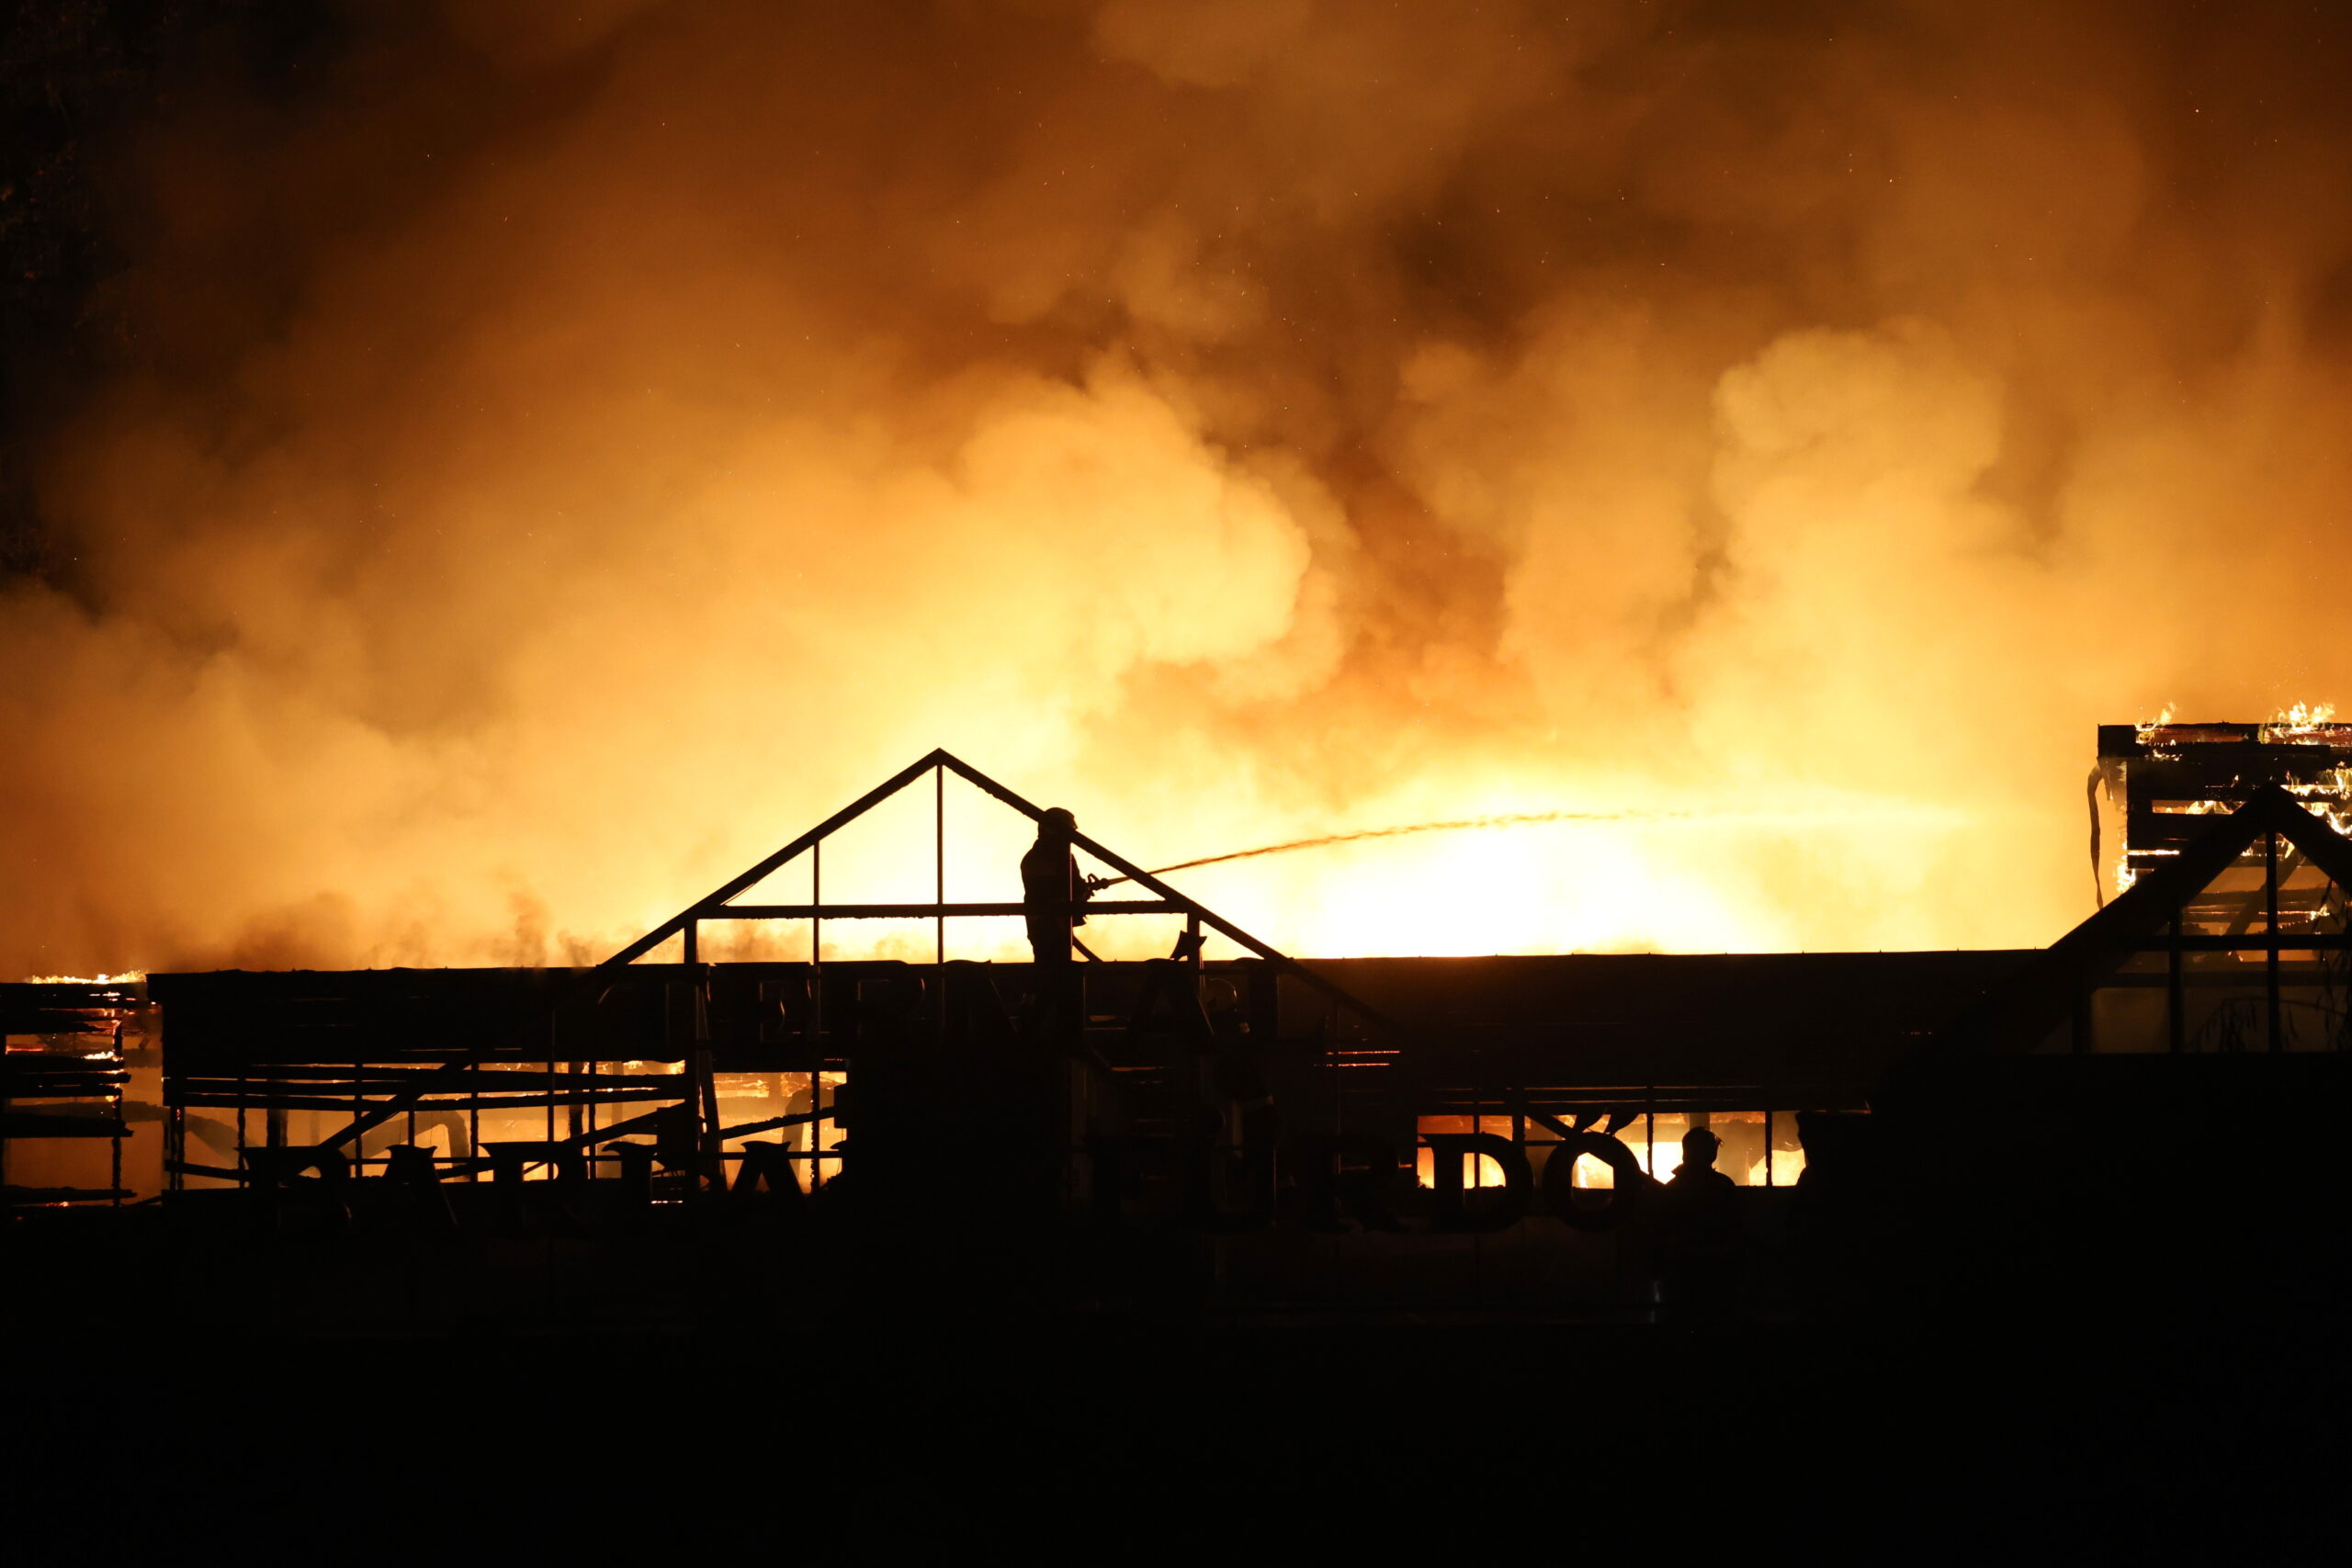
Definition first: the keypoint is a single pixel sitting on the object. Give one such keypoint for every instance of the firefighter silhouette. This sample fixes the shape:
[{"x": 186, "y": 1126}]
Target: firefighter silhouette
[
  {"x": 1699, "y": 1238},
  {"x": 1052, "y": 891}
]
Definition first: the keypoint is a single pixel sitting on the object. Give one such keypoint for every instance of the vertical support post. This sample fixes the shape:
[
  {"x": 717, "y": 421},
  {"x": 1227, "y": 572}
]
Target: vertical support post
[
  {"x": 1474, "y": 1179},
  {"x": 816, "y": 1122},
  {"x": 2270, "y": 937},
  {"x": 2175, "y": 1002},
  {"x": 702, "y": 1091},
  {"x": 1192, "y": 951},
  {"x": 551, "y": 1091},
  {"x": 1768, "y": 1150},
  {"x": 816, "y": 1008},
  {"x": 1329, "y": 1054},
  {"x": 702, "y": 1085},
  {"x": 578, "y": 1107},
  {"x": 939, "y": 887}
]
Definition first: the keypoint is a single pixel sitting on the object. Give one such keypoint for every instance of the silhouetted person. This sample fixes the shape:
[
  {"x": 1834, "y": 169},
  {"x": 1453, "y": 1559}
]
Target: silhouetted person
[
  {"x": 1051, "y": 888},
  {"x": 1839, "y": 1214},
  {"x": 1699, "y": 1232},
  {"x": 1051, "y": 892}
]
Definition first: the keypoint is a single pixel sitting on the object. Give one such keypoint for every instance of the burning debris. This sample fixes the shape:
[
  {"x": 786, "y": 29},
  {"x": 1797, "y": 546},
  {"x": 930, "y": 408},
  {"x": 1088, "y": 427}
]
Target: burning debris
[
  {"x": 62, "y": 1088},
  {"x": 2160, "y": 775}
]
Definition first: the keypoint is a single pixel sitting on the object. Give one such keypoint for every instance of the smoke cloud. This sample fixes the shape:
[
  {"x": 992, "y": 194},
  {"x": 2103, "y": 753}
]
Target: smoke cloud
[{"x": 571, "y": 447}]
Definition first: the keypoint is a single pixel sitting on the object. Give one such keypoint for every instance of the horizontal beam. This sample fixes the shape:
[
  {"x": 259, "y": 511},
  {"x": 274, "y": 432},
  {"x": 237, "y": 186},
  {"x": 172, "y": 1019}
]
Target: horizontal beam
[
  {"x": 191, "y": 1167},
  {"x": 924, "y": 912},
  {"x": 312, "y": 1076},
  {"x": 66, "y": 1194},
  {"x": 2251, "y": 942},
  {"x": 648, "y": 1122},
  {"x": 797, "y": 1118},
  {"x": 259, "y": 1100},
  {"x": 40, "y": 1124},
  {"x": 53, "y": 1088},
  {"x": 2296, "y": 978}
]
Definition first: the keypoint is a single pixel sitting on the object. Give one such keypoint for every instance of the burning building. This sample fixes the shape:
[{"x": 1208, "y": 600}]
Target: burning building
[
  {"x": 74, "y": 1050},
  {"x": 2154, "y": 775},
  {"x": 2230, "y": 933},
  {"x": 1488, "y": 1128},
  {"x": 470, "y": 471}
]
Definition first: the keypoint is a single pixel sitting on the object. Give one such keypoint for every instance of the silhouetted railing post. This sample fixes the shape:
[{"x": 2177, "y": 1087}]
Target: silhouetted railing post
[
  {"x": 939, "y": 890},
  {"x": 816, "y": 1010},
  {"x": 2270, "y": 936}
]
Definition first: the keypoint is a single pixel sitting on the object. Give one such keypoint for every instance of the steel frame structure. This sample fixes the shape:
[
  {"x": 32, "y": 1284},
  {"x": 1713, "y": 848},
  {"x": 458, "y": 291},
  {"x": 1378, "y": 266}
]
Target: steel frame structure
[
  {"x": 522, "y": 1062},
  {"x": 72, "y": 1063}
]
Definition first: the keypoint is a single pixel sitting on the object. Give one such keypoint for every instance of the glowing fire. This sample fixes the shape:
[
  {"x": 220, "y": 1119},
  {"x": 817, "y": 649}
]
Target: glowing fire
[
  {"x": 1659, "y": 1157},
  {"x": 1469, "y": 415},
  {"x": 2328, "y": 797},
  {"x": 2299, "y": 719}
]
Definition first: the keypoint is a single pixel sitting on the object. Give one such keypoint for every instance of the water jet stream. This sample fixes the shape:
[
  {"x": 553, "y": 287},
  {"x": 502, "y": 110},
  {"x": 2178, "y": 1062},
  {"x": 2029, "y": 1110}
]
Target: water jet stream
[
  {"x": 1510, "y": 820},
  {"x": 1503, "y": 820}
]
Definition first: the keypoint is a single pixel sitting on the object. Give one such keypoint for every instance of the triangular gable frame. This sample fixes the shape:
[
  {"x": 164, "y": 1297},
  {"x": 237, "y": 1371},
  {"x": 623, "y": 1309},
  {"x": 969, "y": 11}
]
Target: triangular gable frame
[
  {"x": 717, "y": 903},
  {"x": 2034, "y": 1003}
]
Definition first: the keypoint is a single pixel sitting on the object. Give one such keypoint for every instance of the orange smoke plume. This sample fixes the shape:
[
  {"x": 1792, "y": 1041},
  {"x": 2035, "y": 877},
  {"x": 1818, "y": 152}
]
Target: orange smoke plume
[{"x": 562, "y": 451}]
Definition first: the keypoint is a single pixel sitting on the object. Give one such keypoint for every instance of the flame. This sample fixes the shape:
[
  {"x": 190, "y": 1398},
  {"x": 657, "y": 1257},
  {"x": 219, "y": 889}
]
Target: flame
[
  {"x": 1658, "y": 1158},
  {"x": 2299, "y": 717},
  {"x": 2328, "y": 796}
]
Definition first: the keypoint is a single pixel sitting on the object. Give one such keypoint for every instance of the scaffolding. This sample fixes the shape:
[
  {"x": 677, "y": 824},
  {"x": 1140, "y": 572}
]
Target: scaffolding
[
  {"x": 567, "y": 1073},
  {"x": 65, "y": 1073},
  {"x": 2163, "y": 783}
]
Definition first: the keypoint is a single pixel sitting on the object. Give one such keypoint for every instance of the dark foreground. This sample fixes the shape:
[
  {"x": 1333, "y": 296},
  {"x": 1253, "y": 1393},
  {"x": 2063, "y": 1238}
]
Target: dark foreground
[{"x": 141, "y": 1419}]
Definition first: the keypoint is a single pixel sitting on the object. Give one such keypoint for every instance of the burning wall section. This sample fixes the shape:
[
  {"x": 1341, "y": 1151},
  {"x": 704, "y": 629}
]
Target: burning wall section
[
  {"x": 2163, "y": 779},
  {"x": 73, "y": 1048}
]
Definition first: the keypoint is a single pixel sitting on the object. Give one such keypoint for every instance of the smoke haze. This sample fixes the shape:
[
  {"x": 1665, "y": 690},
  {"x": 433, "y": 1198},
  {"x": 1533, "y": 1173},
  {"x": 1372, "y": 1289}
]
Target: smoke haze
[{"x": 565, "y": 449}]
